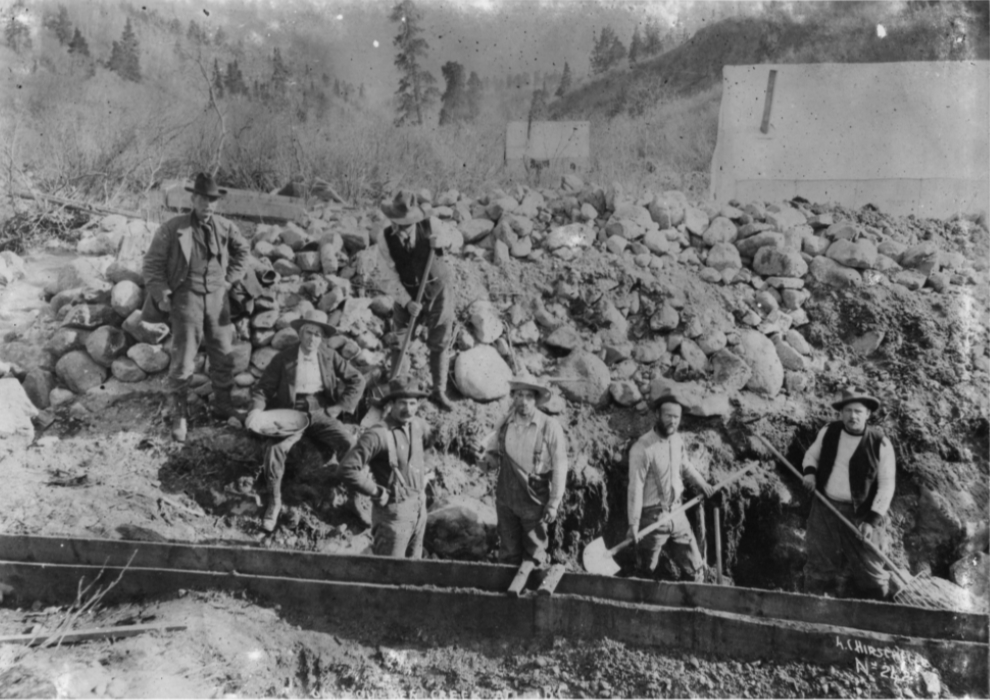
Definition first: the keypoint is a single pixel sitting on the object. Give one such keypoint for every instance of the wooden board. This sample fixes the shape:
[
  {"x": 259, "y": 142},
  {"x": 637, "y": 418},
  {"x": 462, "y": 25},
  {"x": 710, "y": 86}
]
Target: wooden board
[
  {"x": 254, "y": 206},
  {"x": 865, "y": 615},
  {"x": 74, "y": 636}
]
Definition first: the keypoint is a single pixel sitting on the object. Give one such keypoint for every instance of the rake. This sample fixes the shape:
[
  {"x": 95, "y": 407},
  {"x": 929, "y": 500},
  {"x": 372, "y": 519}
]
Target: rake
[{"x": 923, "y": 591}]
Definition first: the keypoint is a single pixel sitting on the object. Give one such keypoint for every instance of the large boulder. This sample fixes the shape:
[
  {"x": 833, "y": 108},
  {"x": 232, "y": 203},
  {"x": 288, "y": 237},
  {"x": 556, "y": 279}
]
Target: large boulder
[
  {"x": 779, "y": 263},
  {"x": 461, "y": 527},
  {"x": 125, "y": 369},
  {"x": 584, "y": 378},
  {"x": 481, "y": 374},
  {"x": 625, "y": 392},
  {"x": 570, "y": 236},
  {"x": 759, "y": 353},
  {"x": 66, "y": 340},
  {"x": 696, "y": 400},
  {"x": 81, "y": 272},
  {"x": 667, "y": 209},
  {"x": 38, "y": 384},
  {"x": 79, "y": 373},
  {"x": 126, "y": 297},
  {"x": 486, "y": 324},
  {"x": 729, "y": 371},
  {"x": 105, "y": 344},
  {"x": 474, "y": 230},
  {"x": 90, "y": 316},
  {"x": 922, "y": 257},
  {"x": 861, "y": 254},
  {"x": 16, "y": 411},
  {"x": 150, "y": 358},
  {"x": 724, "y": 256},
  {"x": 721, "y": 230},
  {"x": 748, "y": 246},
  {"x": 564, "y": 338},
  {"x": 827, "y": 271}
]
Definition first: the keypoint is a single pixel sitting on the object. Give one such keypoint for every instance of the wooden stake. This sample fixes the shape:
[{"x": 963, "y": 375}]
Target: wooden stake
[
  {"x": 768, "y": 102},
  {"x": 89, "y": 635}
]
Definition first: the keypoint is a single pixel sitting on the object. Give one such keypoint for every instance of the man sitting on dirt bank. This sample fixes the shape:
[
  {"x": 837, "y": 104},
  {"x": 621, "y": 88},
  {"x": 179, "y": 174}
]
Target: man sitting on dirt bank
[
  {"x": 388, "y": 463},
  {"x": 310, "y": 377},
  {"x": 409, "y": 241},
  {"x": 852, "y": 464},
  {"x": 530, "y": 450},
  {"x": 193, "y": 260},
  {"x": 658, "y": 463}
]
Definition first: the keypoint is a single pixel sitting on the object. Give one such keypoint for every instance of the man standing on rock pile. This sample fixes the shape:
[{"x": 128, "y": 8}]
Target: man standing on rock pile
[
  {"x": 530, "y": 450},
  {"x": 192, "y": 261},
  {"x": 310, "y": 377},
  {"x": 409, "y": 241},
  {"x": 658, "y": 464},
  {"x": 388, "y": 463},
  {"x": 851, "y": 464}
]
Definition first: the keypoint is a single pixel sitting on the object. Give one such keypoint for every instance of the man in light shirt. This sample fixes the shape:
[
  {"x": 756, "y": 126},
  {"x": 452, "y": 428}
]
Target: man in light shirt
[
  {"x": 530, "y": 450},
  {"x": 658, "y": 465},
  {"x": 852, "y": 464},
  {"x": 309, "y": 377}
]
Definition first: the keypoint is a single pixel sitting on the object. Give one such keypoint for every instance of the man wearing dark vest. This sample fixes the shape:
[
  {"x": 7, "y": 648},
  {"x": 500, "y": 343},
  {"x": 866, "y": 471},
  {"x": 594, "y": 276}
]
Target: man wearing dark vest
[
  {"x": 192, "y": 261},
  {"x": 530, "y": 450},
  {"x": 313, "y": 378},
  {"x": 408, "y": 241},
  {"x": 852, "y": 464},
  {"x": 388, "y": 463}
]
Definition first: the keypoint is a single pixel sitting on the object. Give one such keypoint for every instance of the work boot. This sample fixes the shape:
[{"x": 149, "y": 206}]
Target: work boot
[
  {"x": 179, "y": 421},
  {"x": 272, "y": 510},
  {"x": 439, "y": 365},
  {"x": 223, "y": 405}
]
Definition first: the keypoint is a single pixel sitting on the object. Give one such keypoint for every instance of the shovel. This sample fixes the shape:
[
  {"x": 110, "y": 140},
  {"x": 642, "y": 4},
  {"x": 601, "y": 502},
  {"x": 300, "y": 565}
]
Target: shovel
[
  {"x": 597, "y": 559},
  {"x": 374, "y": 414}
]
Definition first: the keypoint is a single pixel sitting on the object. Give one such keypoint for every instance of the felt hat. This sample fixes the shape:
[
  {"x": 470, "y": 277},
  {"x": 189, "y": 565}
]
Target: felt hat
[
  {"x": 404, "y": 387},
  {"x": 524, "y": 380},
  {"x": 403, "y": 209},
  {"x": 205, "y": 185},
  {"x": 849, "y": 394},
  {"x": 316, "y": 318}
]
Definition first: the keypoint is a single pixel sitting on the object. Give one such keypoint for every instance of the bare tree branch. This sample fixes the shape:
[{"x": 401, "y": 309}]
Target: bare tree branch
[{"x": 223, "y": 124}]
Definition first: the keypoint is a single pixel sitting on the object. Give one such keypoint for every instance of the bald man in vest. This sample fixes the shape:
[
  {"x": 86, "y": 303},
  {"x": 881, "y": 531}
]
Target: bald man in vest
[
  {"x": 851, "y": 464},
  {"x": 388, "y": 463}
]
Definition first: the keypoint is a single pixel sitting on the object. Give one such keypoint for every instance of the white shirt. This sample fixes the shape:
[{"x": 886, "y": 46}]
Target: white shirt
[
  {"x": 520, "y": 444},
  {"x": 657, "y": 466},
  {"x": 838, "y": 488},
  {"x": 309, "y": 380}
]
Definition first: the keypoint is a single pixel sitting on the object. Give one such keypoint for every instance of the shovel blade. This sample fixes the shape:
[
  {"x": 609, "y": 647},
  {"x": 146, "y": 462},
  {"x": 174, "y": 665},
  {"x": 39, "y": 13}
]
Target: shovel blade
[{"x": 597, "y": 560}]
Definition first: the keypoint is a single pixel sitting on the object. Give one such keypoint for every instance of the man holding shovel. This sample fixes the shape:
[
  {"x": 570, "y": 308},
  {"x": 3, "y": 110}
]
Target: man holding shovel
[
  {"x": 658, "y": 464},
  {"x": 530, "y": 450},
  {"x": 852, "y": 464},
  {"x": 417, "y": 255}
]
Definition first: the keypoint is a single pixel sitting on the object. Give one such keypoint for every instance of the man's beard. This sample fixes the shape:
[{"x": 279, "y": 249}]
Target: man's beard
[{"x": 662, "y": 429}]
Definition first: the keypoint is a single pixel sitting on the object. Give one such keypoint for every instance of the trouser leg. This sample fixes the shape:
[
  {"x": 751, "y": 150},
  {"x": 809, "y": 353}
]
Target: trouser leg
[
  {"x": 274, "y": 464},
  {"x": 869, "y": 573},
  {"x": 329, "y": 431},
  {"x": 415, "y": 549},
  {"x": 649, "y": 548},
  {"x": 510, "y": 535},
  {"x": 218, "y": 331},
  {"x": 535, "y": 539},
  {"x": 824, "y": 569},
  {"x": 395, "y": 526},
  {"x": 684, "y": 548},
  {"x": 188, "y": 309}
]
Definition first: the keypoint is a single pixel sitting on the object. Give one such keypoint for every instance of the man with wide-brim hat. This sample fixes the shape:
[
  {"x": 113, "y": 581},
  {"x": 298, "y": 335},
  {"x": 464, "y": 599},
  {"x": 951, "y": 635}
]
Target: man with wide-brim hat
[
  {"x": 530, "y": 450},
  {"x": 658, "y": 467},
  {"x": 852, "y": 464},
  {"x": 311, "y": 377},
  {"x": 192, "y": 262},
  {"x": 388, "y": 463},
  {"x": 408, "y": 241}
]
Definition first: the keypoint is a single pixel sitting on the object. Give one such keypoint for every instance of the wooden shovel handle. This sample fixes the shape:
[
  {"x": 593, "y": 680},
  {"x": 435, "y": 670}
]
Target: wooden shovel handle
[
  {"x": 680, "y": 509},
  {"x": 835, "y": 511},
  {"x": 412, "y": 322}
]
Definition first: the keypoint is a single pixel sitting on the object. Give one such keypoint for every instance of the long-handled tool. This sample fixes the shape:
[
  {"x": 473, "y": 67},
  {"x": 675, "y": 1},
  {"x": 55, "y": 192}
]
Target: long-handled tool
[
  {"x": 597, "y": 559},
  {"x": 717, "y": 522},
  {"x": 921, "y": 591},
  {"x": 374, "y": 414}
]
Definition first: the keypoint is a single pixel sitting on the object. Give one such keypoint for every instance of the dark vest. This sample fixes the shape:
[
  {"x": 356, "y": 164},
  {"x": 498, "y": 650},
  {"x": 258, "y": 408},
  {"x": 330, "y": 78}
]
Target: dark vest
[
  {"x": 410, "y": 264},
  {"x": 864, "y": 464}
]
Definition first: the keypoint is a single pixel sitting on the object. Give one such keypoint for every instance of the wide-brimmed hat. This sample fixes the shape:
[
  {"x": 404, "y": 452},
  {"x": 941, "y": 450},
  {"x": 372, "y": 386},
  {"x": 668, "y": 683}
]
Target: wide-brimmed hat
[
  {"x": 403, "y": 209},
  {"x": 316, "y": 318},
  {"x": 404, "y": 387},
  {"x": 524, "y": 380},
  {"x": 849, "y": 394},
  {"x": 278, "y": 422},
  {"x": 205, "y": 185}
]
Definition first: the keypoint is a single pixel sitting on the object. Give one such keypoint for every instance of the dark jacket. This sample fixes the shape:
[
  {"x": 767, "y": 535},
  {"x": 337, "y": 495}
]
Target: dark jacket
[
  {"x": 342, "y": 384},
  {"x": 410, "y": 263},
  {"x": 166, "y": 264}
]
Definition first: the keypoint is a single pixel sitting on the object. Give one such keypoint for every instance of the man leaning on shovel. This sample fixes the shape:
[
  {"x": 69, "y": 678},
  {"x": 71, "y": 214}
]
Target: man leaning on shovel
[
  {"x": 192, "y": 261},
  {"x": 530, "y": 450},
  {"x": 658, "y": 464},
  {"x": 852, "y": 464},
  {"x": 414, "y": 249}
]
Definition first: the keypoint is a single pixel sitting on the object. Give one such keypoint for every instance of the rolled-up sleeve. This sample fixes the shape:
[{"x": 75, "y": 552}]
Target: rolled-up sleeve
[
  {"x": 354, "y": 469},
  {"x": 637, "y": 479},
  {"x": 886, "y": 477},
  {"x": 814, "y": 453},
  {"x": 557, "y": 446}
]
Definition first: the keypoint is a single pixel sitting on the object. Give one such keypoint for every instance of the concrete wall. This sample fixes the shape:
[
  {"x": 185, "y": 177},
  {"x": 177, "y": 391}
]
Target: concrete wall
[
  {"x": 547, "y": 146},
  {"x": 910, "y": 138}
]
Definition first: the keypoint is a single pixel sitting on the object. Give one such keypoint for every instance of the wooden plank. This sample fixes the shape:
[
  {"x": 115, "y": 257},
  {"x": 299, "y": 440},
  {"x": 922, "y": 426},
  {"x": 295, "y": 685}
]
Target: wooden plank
[
  {"x": 549, "y": 583},
  {"x": 496, "y": 578},
  {"x": 254, "y": 206},
  {"x": 74, "y": 636},
  {"x": 520, "y": 579},
  {"x": 860, "y": 614},
  {"x": 768, "y": 102}
]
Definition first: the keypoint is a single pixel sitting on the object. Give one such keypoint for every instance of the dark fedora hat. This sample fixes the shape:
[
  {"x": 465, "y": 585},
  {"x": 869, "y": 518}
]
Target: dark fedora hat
[
  {"x": 850, "y": 394},
  {"x": 205, "y": 185},
  {"x": 404, "y": 387},
  {"x": 314, "y": 317},
  {"x": 403, "y": 209}
]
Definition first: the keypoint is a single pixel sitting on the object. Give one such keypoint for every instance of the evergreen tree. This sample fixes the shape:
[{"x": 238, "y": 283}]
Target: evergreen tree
[
  {"x": 417, "y": 89},
  {"x": 565, "y": 81},
  {"x": 616, "y": 52},
  {"x": 538, "y": 106},
  {"x": 601, "y": 54},
  {"x": 233, "y": 81},
  {"x": 116, "y": 61},
  {"x": 475, "y": 89},
  {"x": 17, "y": 33},
  {"x": 220, "y": 38},
  {"x": 194, "y": 33},
  {"x": 635, "y": 46},
  {"x": 217, "y": 80},
  {"x": 652, "y": 43},
  {"x": 130, "y": 52},
  {"x": 280, "y": 73},
  {"x": 454, "y": 103},
  {"x": 78, "y": 44}
]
